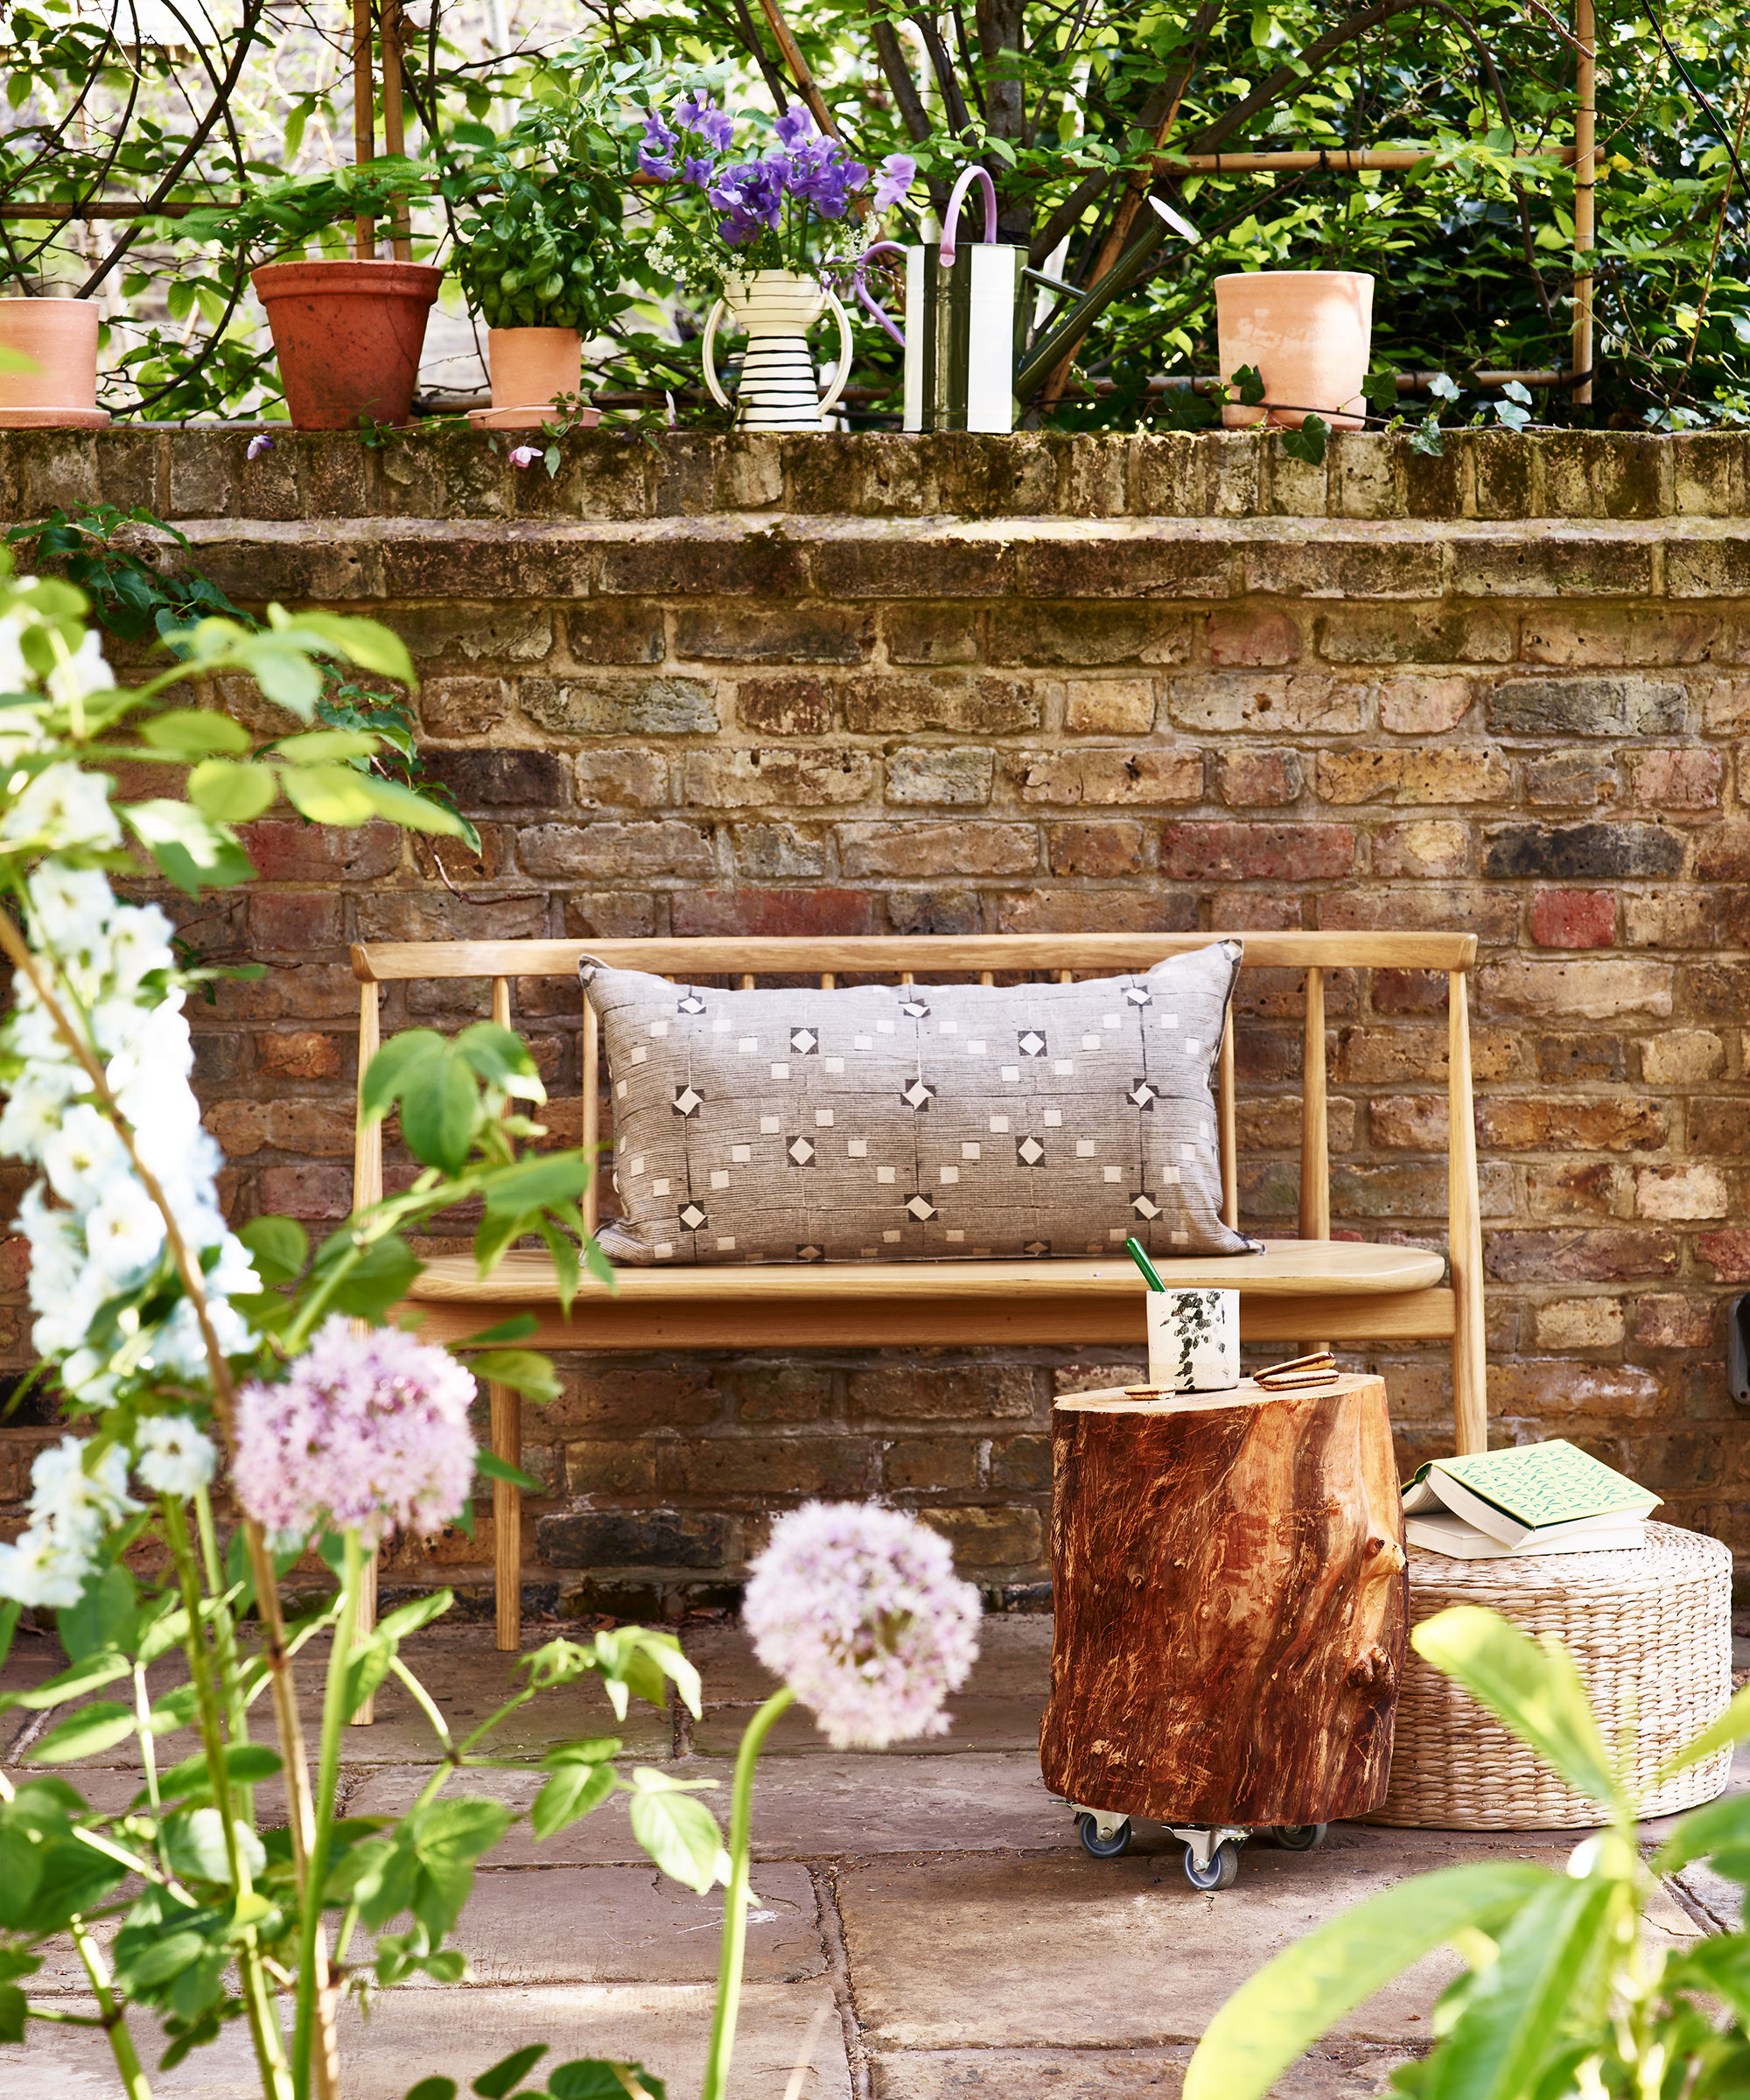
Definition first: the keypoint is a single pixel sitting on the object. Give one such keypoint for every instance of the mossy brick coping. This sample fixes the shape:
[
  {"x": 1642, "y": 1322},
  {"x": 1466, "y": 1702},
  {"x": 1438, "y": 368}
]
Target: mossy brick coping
[{"x": 183, "y": 473}]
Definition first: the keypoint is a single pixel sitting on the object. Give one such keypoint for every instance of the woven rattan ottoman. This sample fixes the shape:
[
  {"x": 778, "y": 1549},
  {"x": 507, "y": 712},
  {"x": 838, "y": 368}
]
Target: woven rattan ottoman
[{"x": 1650, "y": 1629}]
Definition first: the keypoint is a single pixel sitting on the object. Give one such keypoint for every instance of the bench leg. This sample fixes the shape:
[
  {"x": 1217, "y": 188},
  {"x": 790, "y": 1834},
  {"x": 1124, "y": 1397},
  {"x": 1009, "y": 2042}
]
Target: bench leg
[
  {"x": 507, "y": 1442},
  {"x": 364, "y": 1619}
]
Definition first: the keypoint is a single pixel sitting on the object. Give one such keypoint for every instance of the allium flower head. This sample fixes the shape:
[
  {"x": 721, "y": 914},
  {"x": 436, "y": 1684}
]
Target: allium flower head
[
  {"x": 367, "y": 1434},
  {"x": 859, "y": 1610}
]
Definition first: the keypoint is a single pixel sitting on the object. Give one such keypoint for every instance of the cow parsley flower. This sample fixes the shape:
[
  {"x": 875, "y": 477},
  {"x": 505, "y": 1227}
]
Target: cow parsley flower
[
  {"x": 367, "y": 1434},
  {"x": 859, "y": 1610},
  {"x": 171, "y": 1456}
]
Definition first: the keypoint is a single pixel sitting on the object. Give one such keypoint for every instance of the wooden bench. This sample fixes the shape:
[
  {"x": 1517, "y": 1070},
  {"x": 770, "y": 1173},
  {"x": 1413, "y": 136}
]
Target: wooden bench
[{"x": 1297, "y": 1291}]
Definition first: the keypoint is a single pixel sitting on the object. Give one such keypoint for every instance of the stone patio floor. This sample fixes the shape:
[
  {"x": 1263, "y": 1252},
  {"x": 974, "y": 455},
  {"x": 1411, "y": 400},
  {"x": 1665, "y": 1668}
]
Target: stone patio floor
[{"x": 927, "y": 1927}]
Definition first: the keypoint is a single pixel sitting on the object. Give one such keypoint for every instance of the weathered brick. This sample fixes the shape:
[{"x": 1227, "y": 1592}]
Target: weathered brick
[
  {"x": 1685, "y": 918},
  {"x": 1346, "y": 567},
  {"x": 760, "y": 910},
  {"x": 1021, "y": 1462},
  {"x": 671, "y": 1393},
  {"x": 1411, "y": 992},
  {"x": 1099, "y": 849},
  {"x": 615, "y": 631},
  {"x": 1594, "y": 989},
  {"x": 1591, "y": 1188},
  {"x": 777, "y": 1392},
  {"x": 1259, "y": 780},
  {"x": 1579, "y": 851},
  {"x": 1675, "y": 1057},
  {"x": 936, "y": 911},
  {"x": 929, "y": 1464},
  {"x": 1573, "y": 1060},
  {"x": 786, "y": 707},
  {"x": 930, "y": 634},
  {"x": 1580, "y": 1323},
  {"x": 1489, "y": 913},
  {"x": 610, "y": 915},
  {"x": 1238, "y": 853},
  {"x": 800, "y": 631},
  {"x": 1427, "y": 848},
  {"x": 1719, "y": 1124},
  {"x": 1573, "y": 918},
  {"x": 489, "y": 634},
  {"x": 503, "y": 779},
  {"x": 1449, "y": 773},
  {"x": 288, "y": 849},
  {"x": 1570, "y": 780},
  {"x": 1551, "y": 1387},
  {"x": 1683, "y": 779},
  {"x": 618, "y": 1538},
  {"x": 989, "y": 1537},
  {"x": 978, "y": 706},
  {"x": 1608, "y": 636},
  {"x": 1150, "y": 775},
  {"x": 565, "y": 852},
  {"x": 306, "y": 1192},
  {"x": 1421, "y": 707},
  {"x": 1417, "y": 1122},
  {"x": 1219, "y": 703},
  {"x": 1726, "y": 1253},
  {"x": 1363, "y": 635},
  {"x": 1584, "y": 707},
  {"x": 462, "y": 707},
  {"x": 1084, "y": 635},
  {"x": 610, "y": 1468},
  {"x": 1552, "y": 564},
  {"x": 1546, "y": 1123},
  {"x": 293, "y": 921},
  {"x": 1134, "y": 567},
  {"x": 637, "y": 778},
  {"x": 298, "y": 1053},
  {"x": 933, "y": 773},
  {"x": 592, "y": 706},
  {"x": 746, "y": 780},
  {"x": 778, "y": 852},
  {"x": 699, "y": 565},
  {"x": 1249, "y": 636},
  {"x": 1109, "y": 707},
  {"x": 1684, "y": 1189},
  {"x": 902, "y": 1392},
  {"x": 1605, "y": 474},
  {"x": 911, "y": 568},
  {"x": 839, "y": 1467},
  {"x": 1667, "y": 1320},
  {"x": 1589, "y": 1254},
  {"x": 928, "y": 849},
  {"x": 1140, "y": 909},
  {"x": 1726, "y": 712}
]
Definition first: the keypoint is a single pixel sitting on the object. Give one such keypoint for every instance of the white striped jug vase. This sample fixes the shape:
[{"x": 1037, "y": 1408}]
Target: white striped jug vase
[{"x": 778, "y": 390}]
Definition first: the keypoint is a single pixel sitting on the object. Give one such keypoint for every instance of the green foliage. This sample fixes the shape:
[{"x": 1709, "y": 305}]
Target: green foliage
[{"x": 1560, "y": 1994}]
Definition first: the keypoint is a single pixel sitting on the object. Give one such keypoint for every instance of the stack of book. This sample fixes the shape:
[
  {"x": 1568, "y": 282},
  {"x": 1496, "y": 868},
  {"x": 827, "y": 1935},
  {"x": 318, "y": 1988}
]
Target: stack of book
[{"x": 1531, "y": 1498}]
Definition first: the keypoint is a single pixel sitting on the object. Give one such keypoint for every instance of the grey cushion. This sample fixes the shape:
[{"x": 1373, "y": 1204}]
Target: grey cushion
[{"x": 916, "y": 1122}]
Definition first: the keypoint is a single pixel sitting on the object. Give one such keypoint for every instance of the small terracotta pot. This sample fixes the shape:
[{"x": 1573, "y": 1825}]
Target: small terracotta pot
[
  {"x": 1309, "y": 333},
  {"x": 348, "y": 337},
  {"x": 528, "y": 367},
  {"x": 59, "y": 336}
]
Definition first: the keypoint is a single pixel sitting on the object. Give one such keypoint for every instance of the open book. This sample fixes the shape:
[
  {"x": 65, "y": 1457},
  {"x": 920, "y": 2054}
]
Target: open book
[{"x": 1530, "y": 1498}]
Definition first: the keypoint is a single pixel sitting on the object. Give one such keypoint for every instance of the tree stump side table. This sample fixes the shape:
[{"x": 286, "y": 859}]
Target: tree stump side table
[{"x": 1229, "y": 1579}]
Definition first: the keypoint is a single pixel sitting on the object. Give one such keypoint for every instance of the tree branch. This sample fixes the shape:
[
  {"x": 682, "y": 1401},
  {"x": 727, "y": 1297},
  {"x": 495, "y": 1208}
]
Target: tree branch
[{"x": 1321, "y": 49}]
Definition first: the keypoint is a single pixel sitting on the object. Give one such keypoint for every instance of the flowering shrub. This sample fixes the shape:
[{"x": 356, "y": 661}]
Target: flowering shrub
[
  {"x": 784, "y": 210},
  {"x": 180, "y": 1345}
]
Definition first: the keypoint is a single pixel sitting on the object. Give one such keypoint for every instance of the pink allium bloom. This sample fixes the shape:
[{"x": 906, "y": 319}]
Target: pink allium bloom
[
  {"x": 859, "y": 1610},
  {"x": 368, "y": 1434}
]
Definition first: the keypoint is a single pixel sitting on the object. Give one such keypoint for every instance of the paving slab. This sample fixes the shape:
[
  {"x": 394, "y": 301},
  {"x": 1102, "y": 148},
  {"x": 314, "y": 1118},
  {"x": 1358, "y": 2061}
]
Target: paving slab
[
  {"x": 1014, "y": 1660},
  {"x": 815, "y": 1807},
  {"x": 1343, "y": 2071},
  {"x": 975, "y": 1724},
  {"x": 415, "y": 2033},
  {"x": 1051, "y": 1950}
]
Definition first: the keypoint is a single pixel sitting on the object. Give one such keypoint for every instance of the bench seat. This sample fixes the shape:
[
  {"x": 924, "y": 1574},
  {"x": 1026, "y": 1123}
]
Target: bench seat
[{"x": 1368, "y": 1293}]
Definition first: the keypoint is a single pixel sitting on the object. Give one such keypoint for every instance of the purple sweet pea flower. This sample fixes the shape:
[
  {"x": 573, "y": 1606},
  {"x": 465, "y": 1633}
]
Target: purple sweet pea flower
[
  {"x": 657, "y": 153},
  {"x": 752, "y": 194},
  {"x": 698, "y": 114},
  {"x": 257, "y": 446},
  {"x": 796, "y": 125},
  {"x": 698, "y": 172},
  {"x": 898, "y": 172}
]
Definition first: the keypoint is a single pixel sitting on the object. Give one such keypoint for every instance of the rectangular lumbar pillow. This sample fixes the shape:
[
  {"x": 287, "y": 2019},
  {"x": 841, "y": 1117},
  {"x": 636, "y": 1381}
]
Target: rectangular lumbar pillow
[{"x": 916, "y": 1122}]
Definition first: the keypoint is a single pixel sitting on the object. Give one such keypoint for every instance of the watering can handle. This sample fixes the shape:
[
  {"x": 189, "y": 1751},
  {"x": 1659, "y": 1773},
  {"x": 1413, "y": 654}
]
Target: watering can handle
[
  {"x": 950, "y": 218},
  {"x": 708, "y": 356},
  {"x": 880, "y": 247}
]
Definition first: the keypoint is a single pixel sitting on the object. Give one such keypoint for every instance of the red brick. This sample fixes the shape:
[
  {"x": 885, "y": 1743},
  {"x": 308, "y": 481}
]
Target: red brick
[
  {"x": 1668, "y": 1321},
  {"x": 298, "y": 1053},
  {"x": 1684, "y": 779},
  {"x": 1258, "y": 779},
  {"x": 293, "y": 921},
  {"x": 287, "y": 850},
  {"x": 1728, "y": 1254},
  {"x": 1573, "y": 918},
  {"x": 1110, "y": 848},
  {"x": 818, "y": 911},
  {"x": 306, "y": 1192},
  {"x": 1238, "y": 853},
  {"x": 938, "y": 848},
  {"x": 1600, "y": 1256}
]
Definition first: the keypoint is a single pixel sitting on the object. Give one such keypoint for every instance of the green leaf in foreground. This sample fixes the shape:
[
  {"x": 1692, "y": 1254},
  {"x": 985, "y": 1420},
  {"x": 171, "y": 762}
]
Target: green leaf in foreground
[{"x": 1276, "y": 2016}]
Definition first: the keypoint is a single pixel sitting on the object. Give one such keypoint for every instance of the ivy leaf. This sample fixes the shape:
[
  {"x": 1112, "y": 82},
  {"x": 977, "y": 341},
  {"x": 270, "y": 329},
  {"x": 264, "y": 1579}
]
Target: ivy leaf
[
  {"x": 1308, "y": 442},
  {"x": 1250, "y": 381}
]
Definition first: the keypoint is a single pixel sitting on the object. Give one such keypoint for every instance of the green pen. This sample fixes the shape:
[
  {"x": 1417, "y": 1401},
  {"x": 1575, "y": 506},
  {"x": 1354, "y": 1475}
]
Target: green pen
[{"x": 1138, "y": 1254}]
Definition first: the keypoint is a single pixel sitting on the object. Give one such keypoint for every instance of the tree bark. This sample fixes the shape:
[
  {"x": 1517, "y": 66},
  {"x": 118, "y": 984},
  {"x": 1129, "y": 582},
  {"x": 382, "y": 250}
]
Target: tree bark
[{"x": 1230, "y": 1583}]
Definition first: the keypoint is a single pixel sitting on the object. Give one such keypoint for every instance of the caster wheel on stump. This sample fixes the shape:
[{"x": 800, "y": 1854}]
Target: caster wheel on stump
[
  {"x": 1223, "y": 1870},
  {"x": 1299, "y": 1837},
  {"x": 1113, "y": 1847}
]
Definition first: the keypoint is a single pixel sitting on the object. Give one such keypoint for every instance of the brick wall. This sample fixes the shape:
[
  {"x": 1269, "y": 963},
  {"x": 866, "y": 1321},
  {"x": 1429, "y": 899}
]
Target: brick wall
[{"x": 855, "y": 685}]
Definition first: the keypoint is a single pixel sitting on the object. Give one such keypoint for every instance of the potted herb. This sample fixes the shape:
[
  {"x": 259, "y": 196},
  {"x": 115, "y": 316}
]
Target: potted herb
[
  {"x": 540, "y": 254},
  {"x": 761, "y": 235}
]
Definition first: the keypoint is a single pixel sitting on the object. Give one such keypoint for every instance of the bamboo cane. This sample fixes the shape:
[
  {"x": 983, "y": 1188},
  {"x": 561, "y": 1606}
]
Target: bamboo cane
[
  {"x": 364, "y": 121},
  {"x": 394, "y": 134},
  {"x": 1585, "y": 159}
]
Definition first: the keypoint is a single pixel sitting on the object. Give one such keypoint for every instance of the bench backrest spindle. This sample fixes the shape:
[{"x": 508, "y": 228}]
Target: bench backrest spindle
[{"x": 1315, "y": 1157}]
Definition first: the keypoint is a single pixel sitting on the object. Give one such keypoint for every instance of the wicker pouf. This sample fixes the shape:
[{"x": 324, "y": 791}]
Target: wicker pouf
[{"x": 1649, "y": 1627}]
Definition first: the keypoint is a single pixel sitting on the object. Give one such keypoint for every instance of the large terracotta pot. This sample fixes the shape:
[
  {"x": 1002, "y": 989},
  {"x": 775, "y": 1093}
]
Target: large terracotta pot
[
  {"x": 1310, "y": 335},
  {"x": 528, "y": 367},
  {"x": 60, "y": 337},
  {"x": 348, "y": 337},
  {"x": 778, "y": 390}
]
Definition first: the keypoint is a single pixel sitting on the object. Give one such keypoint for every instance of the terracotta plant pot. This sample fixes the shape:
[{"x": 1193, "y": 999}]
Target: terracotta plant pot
[
  {"x": 1309, "y": 333},
  {"x": 347, "y": 336},
  {"x": 529, "y": 366},
  {"x": 60, "y": 337}
]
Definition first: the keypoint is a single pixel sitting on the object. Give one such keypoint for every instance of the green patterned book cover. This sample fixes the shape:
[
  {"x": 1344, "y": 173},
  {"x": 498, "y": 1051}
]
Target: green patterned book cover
[{"x": 1542, "y": 1484}]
